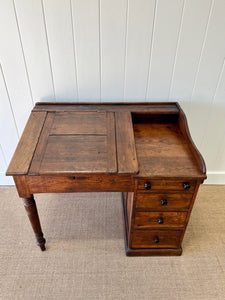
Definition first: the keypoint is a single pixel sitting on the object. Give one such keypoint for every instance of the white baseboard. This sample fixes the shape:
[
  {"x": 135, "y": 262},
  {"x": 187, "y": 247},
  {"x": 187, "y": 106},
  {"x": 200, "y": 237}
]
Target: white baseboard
[
  {"x": 215, "y": 178},
  {"x": 212, "y": 178},
  {"x": 6, "y": 180}
]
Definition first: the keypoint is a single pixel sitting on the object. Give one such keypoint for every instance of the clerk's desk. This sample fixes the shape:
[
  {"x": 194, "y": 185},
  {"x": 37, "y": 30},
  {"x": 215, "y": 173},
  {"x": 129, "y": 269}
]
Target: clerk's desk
[{"x": 143, "y": 150}]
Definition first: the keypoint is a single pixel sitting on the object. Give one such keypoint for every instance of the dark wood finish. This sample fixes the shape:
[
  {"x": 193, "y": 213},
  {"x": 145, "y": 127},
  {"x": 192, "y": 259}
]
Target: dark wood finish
[
  {"x": 111, "y": 143},
  {"x": 143, "y": 150},
  {"x": 150, "y": 220},
  {"x": 129, "y": 200},
  {"x": 146, "y": 239},
  {"x": 40, "y": 150},
  {"x": 142, "y": 251},
  {"x": 31, "y": 209},
  {"x": 183, "y": 125},
  {"x": 153, "y": 252},
  {"x": 70, "y": 123},
  {"x": 163, "y": 151},
  {"x": 159, "y": 108},
  {"x": 79, "y": 183},
  {"x": 163, "y": 201},
  {"x": 163, "y": 184},
  {"x": 84, "y": 149},
  {"x": 126, "y": 152}
]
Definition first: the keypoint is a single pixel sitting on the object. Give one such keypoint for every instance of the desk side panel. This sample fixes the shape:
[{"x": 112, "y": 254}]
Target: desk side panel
[{"x": 23, "y": 155}]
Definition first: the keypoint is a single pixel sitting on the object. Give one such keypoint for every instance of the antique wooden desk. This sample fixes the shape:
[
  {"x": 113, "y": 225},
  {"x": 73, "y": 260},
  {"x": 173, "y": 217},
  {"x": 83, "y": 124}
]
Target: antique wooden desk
[{"x": 142, "y": 150}]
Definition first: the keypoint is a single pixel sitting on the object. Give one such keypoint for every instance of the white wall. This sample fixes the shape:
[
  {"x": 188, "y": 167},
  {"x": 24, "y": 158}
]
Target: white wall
[{"x": 120, "y": 50}]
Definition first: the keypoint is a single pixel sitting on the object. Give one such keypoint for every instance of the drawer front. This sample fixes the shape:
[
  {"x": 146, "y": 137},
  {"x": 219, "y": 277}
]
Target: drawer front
[
  {"x": 149, "y": 220},
  {"x": 156, "y": 239},
  {"x": 164, "y": 201},
  {"x": 145, "y": 185},
  {"x": 79, "y": 183}
]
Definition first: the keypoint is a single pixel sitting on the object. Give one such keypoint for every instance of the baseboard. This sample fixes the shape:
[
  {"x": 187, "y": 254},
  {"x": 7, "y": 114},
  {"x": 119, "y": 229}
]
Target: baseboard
[
  {"x": 212, "y": 178},
  {"x": 6, "y": 180},
  {"x": 215, "y": 178}
]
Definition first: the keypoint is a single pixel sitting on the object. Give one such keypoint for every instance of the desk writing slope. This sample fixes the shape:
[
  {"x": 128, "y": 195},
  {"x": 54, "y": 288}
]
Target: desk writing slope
[
  {"x": 143, "y": 150},
  {"x": 78, "y": 142}
]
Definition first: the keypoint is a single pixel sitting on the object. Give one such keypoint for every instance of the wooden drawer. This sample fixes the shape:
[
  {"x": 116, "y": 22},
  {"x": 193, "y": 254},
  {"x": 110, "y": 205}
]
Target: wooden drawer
[
  {"x": 164, "y": 201},
  {"x": 156, "y": 239},
  {"x": 79, "y": 183},
  {"x": 145, "y": 185},
  {"x": 149, "y": 220}
]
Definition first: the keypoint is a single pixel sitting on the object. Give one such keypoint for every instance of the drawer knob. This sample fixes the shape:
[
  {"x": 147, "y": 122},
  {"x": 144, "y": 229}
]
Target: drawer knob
[
  {"x": 156, "y": 240},
  {"x": 163, "y": 202},
  {"x": 187, "y": 186},
  {"x": 160, "y": 220},
  {"x": 148, "y": 185}
]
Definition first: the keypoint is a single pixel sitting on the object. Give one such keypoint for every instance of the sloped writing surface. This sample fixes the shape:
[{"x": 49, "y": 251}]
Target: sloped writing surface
[
  {"x": 74, "y": 142},
  {"x": 126, "y": 151}
]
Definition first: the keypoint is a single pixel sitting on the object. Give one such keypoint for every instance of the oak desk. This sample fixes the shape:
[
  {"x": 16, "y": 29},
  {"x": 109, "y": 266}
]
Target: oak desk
[{"x": 142, "y": 150}]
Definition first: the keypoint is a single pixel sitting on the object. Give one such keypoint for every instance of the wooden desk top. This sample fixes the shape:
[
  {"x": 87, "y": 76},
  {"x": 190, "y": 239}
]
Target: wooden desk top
[{"x": 144, "y": 140}]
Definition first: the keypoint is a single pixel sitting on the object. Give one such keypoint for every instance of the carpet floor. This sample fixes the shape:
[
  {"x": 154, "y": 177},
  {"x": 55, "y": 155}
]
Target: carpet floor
[{"x": 85, "y": 257}]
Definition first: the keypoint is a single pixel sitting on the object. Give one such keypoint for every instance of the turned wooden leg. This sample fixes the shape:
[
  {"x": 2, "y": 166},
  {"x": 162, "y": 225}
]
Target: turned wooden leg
[{"x": 30, "y": 206}]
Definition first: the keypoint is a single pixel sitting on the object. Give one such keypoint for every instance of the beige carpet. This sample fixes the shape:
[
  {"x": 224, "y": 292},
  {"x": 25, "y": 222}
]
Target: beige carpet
[{"x": 85, "y": 256}]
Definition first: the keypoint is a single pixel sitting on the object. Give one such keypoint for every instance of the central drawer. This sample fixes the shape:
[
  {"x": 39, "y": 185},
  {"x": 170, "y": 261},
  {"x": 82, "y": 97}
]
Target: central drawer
[
  {"x": 164, "y": 201},
  {"x": 149, "y": 220},
  {"x": 156, "y": 239}
]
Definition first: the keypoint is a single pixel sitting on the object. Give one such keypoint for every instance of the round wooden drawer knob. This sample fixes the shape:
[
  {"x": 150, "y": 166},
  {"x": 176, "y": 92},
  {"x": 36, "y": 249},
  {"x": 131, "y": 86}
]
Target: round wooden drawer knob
[
  {"x": 163, "y": 202},
  {"x": 148, "y": 186},
  {"x": 160, "y": 220},
  {"x": 187, "y": 186},
  {"x": 156, "y": 240}
]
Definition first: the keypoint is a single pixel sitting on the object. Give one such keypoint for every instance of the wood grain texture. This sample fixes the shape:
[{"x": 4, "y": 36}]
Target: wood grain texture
[
  {"x": 80, "y": 183},
  {"x": 76, "y": 142},
  {"x": 150, "y": 220},
  {"x": 92, "y": 151},
  {"x": 111, "y": 143},
  {"x": 163, "y": 184},
  {"x": 126, "y": 152},
  {"x": 39, "y": 152},
  {"x": 22, "y": 158},
  {"x": 163, "y": 151},
  {"x": 182, "y": 121},
  {"x": 32, "y": 213},
  {"x": 153, "y": 107},
  {"x": 22, "y": 186},
  {"x": 146, "y": 238},
  {"x": 76, "y": 154},
  {"x": 173, "y": 201},
  {"x": 79, "y": 123}
]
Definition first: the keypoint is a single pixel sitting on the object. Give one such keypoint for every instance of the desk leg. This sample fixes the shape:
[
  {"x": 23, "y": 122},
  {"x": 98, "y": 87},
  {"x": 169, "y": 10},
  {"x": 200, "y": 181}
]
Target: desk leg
[{"x": 31, "y": 209}]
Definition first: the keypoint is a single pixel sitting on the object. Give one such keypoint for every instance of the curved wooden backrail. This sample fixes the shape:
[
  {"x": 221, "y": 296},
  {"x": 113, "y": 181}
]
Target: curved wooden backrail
[{"x": 182, "y": 120}]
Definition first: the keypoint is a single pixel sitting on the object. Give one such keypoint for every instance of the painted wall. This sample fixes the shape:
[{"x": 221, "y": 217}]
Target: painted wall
[{"x": 120, "y": 50}]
